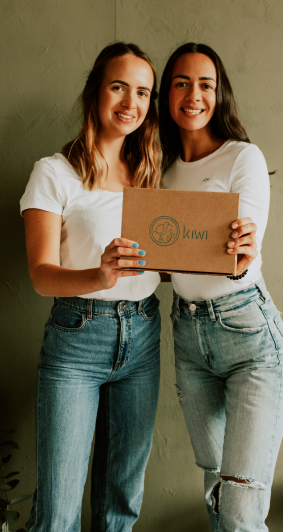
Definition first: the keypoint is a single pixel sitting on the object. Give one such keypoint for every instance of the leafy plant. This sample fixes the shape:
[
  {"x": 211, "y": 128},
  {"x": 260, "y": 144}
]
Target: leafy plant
[{"x": 7, "y": 515}]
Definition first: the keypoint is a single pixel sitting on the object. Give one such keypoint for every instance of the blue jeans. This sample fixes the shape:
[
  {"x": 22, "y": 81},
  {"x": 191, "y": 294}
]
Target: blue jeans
[
  {"x": 229, "y": 380},
  {"x": 99, "y": 365}
]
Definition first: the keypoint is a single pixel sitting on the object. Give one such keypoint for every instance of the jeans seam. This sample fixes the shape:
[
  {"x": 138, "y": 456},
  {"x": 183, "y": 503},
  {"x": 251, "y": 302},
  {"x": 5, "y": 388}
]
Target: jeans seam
[
  {"x": 104, "y": 470},
  {"x": 275, "y": 426}
]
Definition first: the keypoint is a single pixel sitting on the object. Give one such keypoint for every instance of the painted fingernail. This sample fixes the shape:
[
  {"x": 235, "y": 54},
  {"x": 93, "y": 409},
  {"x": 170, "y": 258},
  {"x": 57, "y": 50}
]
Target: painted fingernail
[
  {"x": 134, "y": 245},
  {"x": 140, "y": 271},
  {"x": 142, "y": 252},
  {"x": 141, "y": 262},
  {"x": 235, "y": 234},
  {"x": 234, "y": 225}
]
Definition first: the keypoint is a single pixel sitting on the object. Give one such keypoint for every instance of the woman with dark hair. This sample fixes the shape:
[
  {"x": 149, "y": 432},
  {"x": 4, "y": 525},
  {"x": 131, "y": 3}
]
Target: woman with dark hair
[
  {"x": 227, "y": 331},
  {"x": 99, "y": 361}
]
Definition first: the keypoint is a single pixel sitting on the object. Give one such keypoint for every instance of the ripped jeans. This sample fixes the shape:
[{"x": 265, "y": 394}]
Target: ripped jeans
[{"x": 229, "y": 379}]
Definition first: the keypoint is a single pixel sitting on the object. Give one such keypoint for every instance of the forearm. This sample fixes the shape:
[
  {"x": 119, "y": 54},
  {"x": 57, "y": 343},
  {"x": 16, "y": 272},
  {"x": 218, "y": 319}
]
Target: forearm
[{"x": 52, "y": 280}]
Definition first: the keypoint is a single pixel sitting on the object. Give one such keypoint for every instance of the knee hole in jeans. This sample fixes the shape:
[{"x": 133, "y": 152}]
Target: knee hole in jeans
[
  {"x": 242, "y": 482},
  {"x": 236, "y": 481}
]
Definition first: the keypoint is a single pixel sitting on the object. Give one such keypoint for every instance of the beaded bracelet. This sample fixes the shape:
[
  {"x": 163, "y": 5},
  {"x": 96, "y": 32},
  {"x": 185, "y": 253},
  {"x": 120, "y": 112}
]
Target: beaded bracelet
[{"x": 237, "y": 277}]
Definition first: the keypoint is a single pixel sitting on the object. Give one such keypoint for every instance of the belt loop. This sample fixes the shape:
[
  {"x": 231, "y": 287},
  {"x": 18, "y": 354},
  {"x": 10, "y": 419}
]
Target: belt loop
[
  {"x": 261, "y": 293},
  {"x": 210, "y": 310},
  {"x": 140, "y": 305},
  {"x": 89, "y": 309}
]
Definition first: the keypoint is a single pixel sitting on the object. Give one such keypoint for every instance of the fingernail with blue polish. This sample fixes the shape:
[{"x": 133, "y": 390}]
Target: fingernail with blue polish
[
  {"x": 140, "y": 271},
  {"x": 141, "y": 262},
  {"x": 134, "y": 245},
  {"x": 142, "y": 252}
]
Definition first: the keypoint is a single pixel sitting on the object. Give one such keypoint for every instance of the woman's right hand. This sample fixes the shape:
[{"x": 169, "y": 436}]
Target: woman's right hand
[{"x": 111, "y": 263}]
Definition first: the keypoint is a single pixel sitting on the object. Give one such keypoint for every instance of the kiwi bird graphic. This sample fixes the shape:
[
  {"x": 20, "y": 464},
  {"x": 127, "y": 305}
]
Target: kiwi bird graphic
[{"x": 164, "y": 232}]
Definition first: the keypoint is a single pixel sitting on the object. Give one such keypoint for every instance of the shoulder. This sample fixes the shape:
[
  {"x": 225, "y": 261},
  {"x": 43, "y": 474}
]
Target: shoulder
[
  {"x": 245, "y": 152},
  {"x": 52, "y": 183},
  {"x": 56, "y": 166}
]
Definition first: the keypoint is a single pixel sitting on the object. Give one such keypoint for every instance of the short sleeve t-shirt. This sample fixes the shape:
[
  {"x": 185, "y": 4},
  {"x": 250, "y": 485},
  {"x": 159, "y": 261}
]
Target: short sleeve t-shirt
[
  {"x": 234, "y": 167},
  {"x": 90, "y": 221}
]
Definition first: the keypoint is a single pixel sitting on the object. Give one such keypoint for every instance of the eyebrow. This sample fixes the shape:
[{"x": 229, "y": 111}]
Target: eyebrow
[
  {"x": 127, "y": 84},
  {"x": 188, "y": 77}
]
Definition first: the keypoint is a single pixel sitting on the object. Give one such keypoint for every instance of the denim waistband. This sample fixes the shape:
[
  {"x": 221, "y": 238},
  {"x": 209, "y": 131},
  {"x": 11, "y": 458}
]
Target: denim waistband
[
  {"x": 92, "y": 306},
  {"x": 226, "y": 302}
]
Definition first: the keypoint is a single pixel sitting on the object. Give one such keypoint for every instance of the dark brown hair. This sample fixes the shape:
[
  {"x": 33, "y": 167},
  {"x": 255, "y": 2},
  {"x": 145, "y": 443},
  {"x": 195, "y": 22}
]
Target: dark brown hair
[
  {"x": 141, "y": 151},
  {"x": 225, "y": 121}
]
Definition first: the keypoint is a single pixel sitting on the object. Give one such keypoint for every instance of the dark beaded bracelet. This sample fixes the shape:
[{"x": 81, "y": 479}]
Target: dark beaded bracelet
[{"x": 237, "y": 277}]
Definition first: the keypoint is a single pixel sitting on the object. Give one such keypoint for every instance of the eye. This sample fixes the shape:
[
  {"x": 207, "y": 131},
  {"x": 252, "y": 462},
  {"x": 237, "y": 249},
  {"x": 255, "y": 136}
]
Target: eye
[
  {"x": 143, "y": 94},
  {"x": 207, "y": 86},
  {"x": 181, "y": 84},
  {"x": 117, "y": 88}
]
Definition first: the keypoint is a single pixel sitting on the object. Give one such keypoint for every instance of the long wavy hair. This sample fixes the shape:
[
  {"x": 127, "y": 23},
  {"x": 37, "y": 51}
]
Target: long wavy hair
[
  {"x": 225, "y": 122},
  {"x": 141, "y": 150}
]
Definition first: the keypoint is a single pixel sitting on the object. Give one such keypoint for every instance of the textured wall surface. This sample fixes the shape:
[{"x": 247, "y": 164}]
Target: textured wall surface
[{"x": 47, "y": 48}]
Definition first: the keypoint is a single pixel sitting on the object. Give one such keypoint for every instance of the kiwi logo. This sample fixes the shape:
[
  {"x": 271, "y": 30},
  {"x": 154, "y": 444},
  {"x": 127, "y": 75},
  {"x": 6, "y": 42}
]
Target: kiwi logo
[{"x": 164, "y": 231}]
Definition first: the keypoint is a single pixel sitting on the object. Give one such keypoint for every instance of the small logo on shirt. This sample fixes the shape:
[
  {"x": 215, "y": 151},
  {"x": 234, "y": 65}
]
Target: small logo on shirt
[
  {"x": 164, "y": 231},
  {"x": 206, "y": 179}
]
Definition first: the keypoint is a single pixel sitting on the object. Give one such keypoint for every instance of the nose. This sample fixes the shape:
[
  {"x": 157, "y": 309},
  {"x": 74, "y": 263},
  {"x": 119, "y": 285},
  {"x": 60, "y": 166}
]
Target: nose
[
  {"x": 193, "y": 93},
  {"x": 130, "y": 101}
]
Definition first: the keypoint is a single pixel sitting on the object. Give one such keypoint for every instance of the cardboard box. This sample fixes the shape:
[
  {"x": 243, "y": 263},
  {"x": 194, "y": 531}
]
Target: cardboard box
[{"x": 181, "y": 231}]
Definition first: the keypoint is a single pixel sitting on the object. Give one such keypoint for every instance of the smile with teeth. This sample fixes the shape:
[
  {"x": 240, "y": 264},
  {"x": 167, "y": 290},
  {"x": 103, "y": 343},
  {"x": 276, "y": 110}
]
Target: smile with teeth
[
  {"x": 192, "y": 111},
  {"x": 128, "y": 117}
]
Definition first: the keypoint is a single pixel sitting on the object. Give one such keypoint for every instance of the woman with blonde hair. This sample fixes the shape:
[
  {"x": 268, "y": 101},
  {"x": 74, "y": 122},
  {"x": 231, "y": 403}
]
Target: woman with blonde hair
[{"x": 99, "y": 361}]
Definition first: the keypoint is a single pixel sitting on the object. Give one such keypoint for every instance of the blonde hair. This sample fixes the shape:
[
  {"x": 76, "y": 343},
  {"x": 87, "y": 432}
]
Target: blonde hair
[{"x": 140, "y": 151}]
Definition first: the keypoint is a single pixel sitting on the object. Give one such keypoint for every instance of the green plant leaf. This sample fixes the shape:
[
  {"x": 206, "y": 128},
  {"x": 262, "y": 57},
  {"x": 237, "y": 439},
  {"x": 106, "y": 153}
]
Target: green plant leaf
[
  {"x": 21, "y": 498},
  {"x": 7, "y": 445},
  {"x": 10, "y": 485},
  {"x": 3, "y": 503},
  {"x": 11, "y": 516},
  {"x": 5, "y": 460},
  {"x": 12, "y": 474}
]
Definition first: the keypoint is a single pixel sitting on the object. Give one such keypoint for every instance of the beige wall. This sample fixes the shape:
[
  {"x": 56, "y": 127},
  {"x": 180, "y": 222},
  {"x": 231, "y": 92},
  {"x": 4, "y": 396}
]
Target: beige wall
[{"x": 47, "y": 48}]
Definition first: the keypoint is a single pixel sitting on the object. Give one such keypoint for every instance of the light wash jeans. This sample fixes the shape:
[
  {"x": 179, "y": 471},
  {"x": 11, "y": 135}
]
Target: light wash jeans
[
  {"x": 99, "y": 364},
  {"x": 229, "y": 380}
]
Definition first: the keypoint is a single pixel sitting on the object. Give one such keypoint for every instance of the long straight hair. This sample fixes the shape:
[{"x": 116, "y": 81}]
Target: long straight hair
[
  {"x": 141, "y": 151},
  {"x": 225, "y": 122}
]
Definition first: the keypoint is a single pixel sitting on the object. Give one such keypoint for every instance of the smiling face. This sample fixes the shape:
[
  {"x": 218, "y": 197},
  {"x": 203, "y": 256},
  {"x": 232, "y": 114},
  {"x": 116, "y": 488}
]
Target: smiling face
[
  {"x": 124, "y": 95},
  {"x": 192, "y": 95}
]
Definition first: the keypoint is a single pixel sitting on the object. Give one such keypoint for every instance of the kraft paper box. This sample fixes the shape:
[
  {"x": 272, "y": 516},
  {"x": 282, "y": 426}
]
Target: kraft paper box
[{"x": 181, "y": 231}]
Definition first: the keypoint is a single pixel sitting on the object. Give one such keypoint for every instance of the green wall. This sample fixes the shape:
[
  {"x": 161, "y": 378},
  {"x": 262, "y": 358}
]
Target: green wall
[{"x": 47, "y": 48}]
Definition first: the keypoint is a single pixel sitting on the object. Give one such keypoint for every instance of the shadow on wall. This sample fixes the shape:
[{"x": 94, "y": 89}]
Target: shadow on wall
[
  {"x": 195, "y": 520},
  {"x": 23, "y": 140},
  {"x": 275, "y": 517}
]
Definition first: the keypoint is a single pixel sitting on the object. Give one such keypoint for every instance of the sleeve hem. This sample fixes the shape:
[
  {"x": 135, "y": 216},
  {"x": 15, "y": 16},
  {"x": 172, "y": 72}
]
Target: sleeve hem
[{"x": 41, "y": 206}]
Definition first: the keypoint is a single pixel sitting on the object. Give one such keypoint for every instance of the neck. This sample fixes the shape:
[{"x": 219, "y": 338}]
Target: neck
[
  {"x": 198, "y": 144},
  {"x": 118, "y": 175},
  {"x": 110, "y": 148}
]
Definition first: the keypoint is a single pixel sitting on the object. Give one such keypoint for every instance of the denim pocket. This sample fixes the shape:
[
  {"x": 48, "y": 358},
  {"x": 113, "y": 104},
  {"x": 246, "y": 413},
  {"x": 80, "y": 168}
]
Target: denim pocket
[
  {"x": 247, "y": 319},
  {"x": 150, "y": 308},
  {"x": 67, "y": 319}
]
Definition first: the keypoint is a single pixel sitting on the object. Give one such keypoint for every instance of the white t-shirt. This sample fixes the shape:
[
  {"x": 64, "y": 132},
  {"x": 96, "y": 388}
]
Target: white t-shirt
[
  {"x": 234, "y": 167},
  {"x": 91, "y": 220}
]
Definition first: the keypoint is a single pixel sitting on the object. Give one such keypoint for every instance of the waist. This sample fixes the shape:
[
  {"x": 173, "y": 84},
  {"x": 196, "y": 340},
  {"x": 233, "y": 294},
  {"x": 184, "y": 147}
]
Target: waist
[
  {"x": 225, "y": 302},
  {"x": 100, "y": 306}
]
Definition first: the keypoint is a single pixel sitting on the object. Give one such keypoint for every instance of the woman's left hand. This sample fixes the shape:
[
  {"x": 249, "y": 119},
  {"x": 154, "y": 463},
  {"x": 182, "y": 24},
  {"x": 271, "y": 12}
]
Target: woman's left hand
[{"x": 243, "y": 243}]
